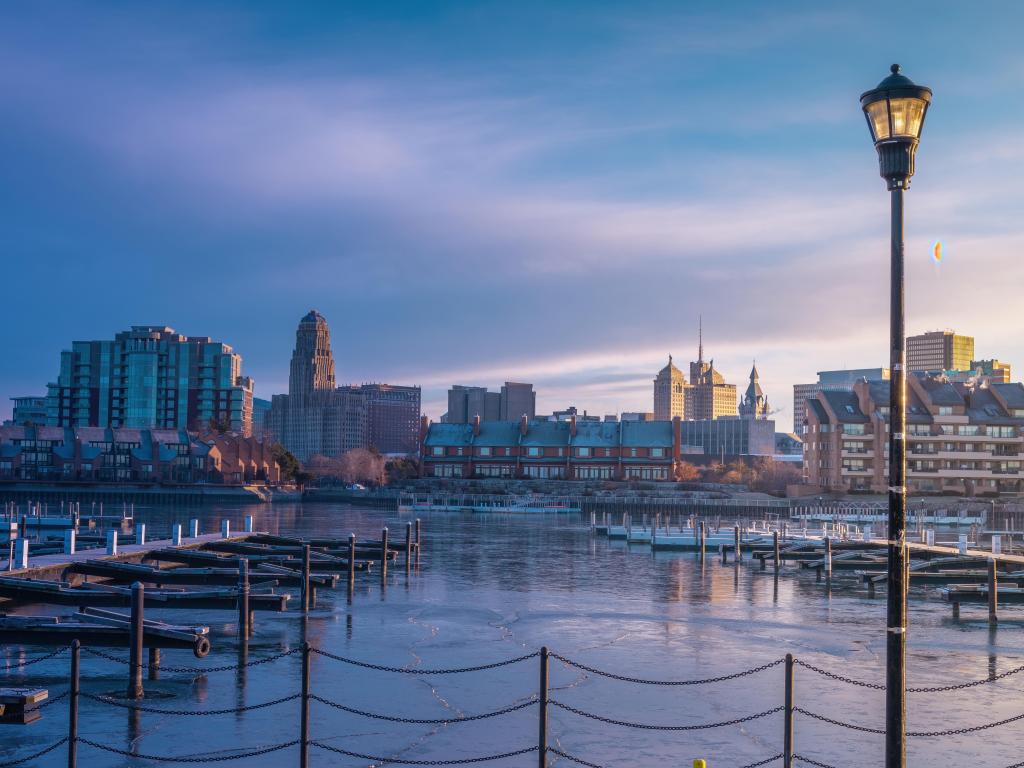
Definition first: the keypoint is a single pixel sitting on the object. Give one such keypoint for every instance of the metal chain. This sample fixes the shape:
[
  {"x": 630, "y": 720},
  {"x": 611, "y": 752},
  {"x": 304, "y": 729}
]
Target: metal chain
[
  {"x": 841, "y": 724},
  {"x": 36, "y": 659},
  {"x": 650, "y": 727},
  {"x": 199, "y": 670},
  {"x": 928, "y": 689},
  {"x": 40, "y": 753},
  {"x": 187, "y": 712},
  {"x": 840, "y": 678},
  {"x": 54, "y": 699},
  {"x": 643, "y": 681},
  {"x": 462, "y": 761},
  {"x": 418, "y": 721},
  {"x": 199, "y": 759},
  {"x": 970, "y": 729},
  {"x": 577, "y": 760},
  {"x": 408, "y": 671},
  {"x": 767, "y": 760},
  {"x": 808, "y": 760}
]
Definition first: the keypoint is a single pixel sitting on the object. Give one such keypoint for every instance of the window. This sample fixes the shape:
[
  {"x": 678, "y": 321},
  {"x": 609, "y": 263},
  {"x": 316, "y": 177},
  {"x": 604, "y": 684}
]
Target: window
[
  {"x": 534, "y": 451},
  {"x": 484, "y": 450},
  {"x": 437, "y": 450},
  {"x": 853, "y": 429},
  {"x": 970, "y": 429},
  {"x": 657, "y": 453},
  {"x": 583, "y": 452},
  {"x": 945, "y": 410}
]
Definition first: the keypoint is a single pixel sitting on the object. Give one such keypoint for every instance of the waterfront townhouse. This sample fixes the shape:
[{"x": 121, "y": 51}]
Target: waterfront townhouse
[{"x": 961, "y": 438}]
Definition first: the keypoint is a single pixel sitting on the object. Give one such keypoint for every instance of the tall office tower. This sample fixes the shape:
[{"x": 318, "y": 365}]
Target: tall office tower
[
  {"x": 669, "y": 393},
  {"x": 151, "y": 376},
  {"x": 518, "y": 400},
  {"x": 939, "y": 351},
  {"x": 312, "y": 366}
]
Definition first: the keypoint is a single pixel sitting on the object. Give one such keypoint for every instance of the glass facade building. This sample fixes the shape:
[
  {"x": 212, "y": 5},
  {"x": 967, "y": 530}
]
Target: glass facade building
[{"x": 151, "y": 376}]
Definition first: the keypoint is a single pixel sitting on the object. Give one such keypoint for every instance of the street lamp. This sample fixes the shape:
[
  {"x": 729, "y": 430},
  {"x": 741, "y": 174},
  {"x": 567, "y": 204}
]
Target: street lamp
[{"x": 895, "y": 112}]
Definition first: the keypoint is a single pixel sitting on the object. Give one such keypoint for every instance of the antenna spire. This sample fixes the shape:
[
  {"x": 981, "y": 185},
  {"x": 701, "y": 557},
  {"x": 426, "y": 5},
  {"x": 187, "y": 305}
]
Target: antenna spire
[{"x": 700, "y": 338}]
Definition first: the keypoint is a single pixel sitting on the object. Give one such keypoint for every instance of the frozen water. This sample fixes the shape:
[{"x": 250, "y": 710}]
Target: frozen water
[{"x": 494, "y": 587}]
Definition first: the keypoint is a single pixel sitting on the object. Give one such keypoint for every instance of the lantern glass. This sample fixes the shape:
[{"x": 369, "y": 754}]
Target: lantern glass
[
  {"x": 878, "y": 119},
  {"x": 907, "y": 116}
]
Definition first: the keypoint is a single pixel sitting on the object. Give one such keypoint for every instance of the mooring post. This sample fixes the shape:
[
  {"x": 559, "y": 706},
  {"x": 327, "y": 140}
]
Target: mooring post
[
  {"x": 111, "y": 542},
  {"x": 76, "y": 647},
  {"x": 721, "y": 551},
  {"x": 542, "y": 735},
  {"x": 351, "y": 565},
  {"x": 739, "y": 551},
  {"x": 828, "y": 560},
  {"x": 225, "y": 529},
  {"x": 135, "y": 642},
  {"x": 419, "y": 541},
  {"x": 193, "y": 528},
  {"x": 69, "y": 541},
  {"x": 21, "y": 553},
  {"x": 993, "y": 591},
  {"x": 154, "y": 663},
  {"x": 775, "y": 550},
  {"x": 247, "y": 526},
  {"x": 408, "y": 547},
  {"x": 304, "y": 720},
  {"x": 140, "y": 533},
  {"x": 787, "y": 734},
  {"x": 384, "y": 555},
  {"x": 243, "y": 599},
  {"x": 305, "y": 578},
  {"x": 703, "y": 538},
  {"x": 176, "y": 535}
]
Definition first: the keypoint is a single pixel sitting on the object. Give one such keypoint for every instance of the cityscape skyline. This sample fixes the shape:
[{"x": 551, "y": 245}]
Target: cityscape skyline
[{"x": 419, "y": 170}]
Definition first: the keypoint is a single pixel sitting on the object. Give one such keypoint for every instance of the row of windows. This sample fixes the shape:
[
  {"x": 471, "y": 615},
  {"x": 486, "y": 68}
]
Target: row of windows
[{"x": 537, "y": 451}]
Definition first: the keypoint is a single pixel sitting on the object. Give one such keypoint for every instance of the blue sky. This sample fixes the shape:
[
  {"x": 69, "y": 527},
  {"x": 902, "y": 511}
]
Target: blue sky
[{"x": 474, "y": 192}]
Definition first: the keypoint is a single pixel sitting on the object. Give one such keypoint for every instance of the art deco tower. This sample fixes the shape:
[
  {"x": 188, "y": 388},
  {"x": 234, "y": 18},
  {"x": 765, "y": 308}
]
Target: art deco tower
[{"x": 312, "y": 368}]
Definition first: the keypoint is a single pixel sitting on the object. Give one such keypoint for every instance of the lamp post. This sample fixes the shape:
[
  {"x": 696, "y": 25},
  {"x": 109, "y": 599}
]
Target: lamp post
[{"x": 895, "y": 113}]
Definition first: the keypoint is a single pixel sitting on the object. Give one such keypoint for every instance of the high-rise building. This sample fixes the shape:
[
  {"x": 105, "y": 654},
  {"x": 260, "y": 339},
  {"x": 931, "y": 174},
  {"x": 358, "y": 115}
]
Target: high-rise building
[
  {"x": 318, "y": 418},
  {"x": 755, "y": 401},
  {"x": 260, "y": 417},
  {"x": 28, "y": 411},
  {"x": 830, "y": 381},
  {"x": 939, "y": 351},
  {"x": 150, "y": 376},
  {"x": 513, "y": 401},
  {"x": 669, "y": 393}
]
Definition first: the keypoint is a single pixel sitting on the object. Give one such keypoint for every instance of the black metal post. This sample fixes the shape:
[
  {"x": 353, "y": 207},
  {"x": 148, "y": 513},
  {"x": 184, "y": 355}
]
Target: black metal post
[
  {"x": 304, "y": 719},
  {"x": 135, "y": 642},
  {"x": 73, "y": 706},
  {"x": 896, "y": 609},
  {"x": 542, "y": 735},
  {"x": 305, "y": 578},
  {"x": 787, "y": 735}
]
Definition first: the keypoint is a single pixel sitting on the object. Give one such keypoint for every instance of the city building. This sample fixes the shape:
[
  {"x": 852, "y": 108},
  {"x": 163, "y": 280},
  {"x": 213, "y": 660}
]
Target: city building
[
  {"x": 150, "y": 376},
  {"x": 98, "y": 454},
  {"x": 514, "y": 400},
  {"x": 572, "y": 412},
  {"x": 755, "y": 401},
  {"x": 587, "y": 450},
  {"x": 842, "y": 380},
  {"x": 637, "y": 416},
  {"x": 28, "y": 411},
  {"x": 318, "y": 418},
  {"x": 939, "y": 351},
  {"x": 669, "y": 393},
  {"x": 961, "y": 438},
  {"x": 260, "y": 417}
]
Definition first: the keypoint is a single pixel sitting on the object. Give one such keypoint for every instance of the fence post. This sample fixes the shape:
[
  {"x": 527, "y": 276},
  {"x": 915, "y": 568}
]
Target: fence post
[
  {"x": 135, "y": 642},
  {"x": 304, "y": 721},
  {"x": 351, "y": 565},
  {"x": 993, "y": 591},
  {"x": 542, "y": 736},
  {"x": 73, "y": 706},
  {"x": 787, "y": 736}
]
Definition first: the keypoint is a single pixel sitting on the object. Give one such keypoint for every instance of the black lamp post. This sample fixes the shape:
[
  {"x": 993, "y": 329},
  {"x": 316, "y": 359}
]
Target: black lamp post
[{"x": 895, "y": 113}]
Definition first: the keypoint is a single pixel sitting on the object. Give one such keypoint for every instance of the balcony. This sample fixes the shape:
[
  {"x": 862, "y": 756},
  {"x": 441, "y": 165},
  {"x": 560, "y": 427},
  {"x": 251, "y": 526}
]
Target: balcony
[
  {"x": 860, "y": 453},
  {"x": 861, "y": 472}
]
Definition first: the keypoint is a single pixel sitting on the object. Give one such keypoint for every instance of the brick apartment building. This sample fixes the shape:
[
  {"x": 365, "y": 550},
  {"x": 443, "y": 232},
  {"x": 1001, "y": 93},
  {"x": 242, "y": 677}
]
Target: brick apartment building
[{"x": 961, "y": 438}]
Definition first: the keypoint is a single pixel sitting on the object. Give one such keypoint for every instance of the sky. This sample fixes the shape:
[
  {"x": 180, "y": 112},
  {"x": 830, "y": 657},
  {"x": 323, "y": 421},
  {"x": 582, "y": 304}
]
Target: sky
[{"x": 488, "y": 191}]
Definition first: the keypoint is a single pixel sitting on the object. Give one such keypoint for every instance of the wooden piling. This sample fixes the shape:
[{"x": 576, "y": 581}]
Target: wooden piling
[
  {"x": 775, "y": 550},
  {"x": 352, "y": 565},
  {"x": 703, "y": 538},
  {"x": 305, "y": 578},
  {"x": 542, "y": 735},
  {"x": 154, "y": 663},
  {"x": 76, "y": 647},
  {"x": 135, "y": 642},
  {"x": 993, "y": 591},
  {"x": 384, "y": 555},
  {"x": 408, "y": 547},
  {"x": 739, "y": 551},
  {"x": 243, "y": 600},
  {"x": 419, "y": 542},
  {"x": 828, "y": 560}
]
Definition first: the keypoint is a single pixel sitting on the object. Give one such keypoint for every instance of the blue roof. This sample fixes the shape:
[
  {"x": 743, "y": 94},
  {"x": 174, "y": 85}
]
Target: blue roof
[
  {"x": 449, "y": 434},
  {"x": 596, "y": 434},
  {"x": 646, "y": 433},
  {"x": 497, "y": 433},
  {"x": 547, "y": 433}
]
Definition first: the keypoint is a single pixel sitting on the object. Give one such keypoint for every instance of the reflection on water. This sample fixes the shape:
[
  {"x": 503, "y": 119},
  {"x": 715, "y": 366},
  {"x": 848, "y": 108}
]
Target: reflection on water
[{"x": 491, "y": 587}]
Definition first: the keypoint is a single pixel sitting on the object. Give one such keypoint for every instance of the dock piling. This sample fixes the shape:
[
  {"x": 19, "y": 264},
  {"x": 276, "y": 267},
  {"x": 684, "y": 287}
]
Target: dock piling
[
  {"x": 225, "y": 529},
  {"x": 176, "y": 535},
  {"x": 993, "y": 590},
  {"x": 135, "y": 642},
  {"x": 305, "y": 578},
  {"x": 69, "y": 541},
  {"x": 193, "y": 529},
  {"x": 828, "y": 561},
  {"x": 352, "y": 565},
  {"x": 247, "y": 524},
  {"x": 243, "y": 600},
  {"x": 154, "y": 663},
  {"x": 384, "y": 555},
  {"x": 140, "y": 533},
  {"x": 111, "y": 542},
  {"x": 76, "y": 650},
  {"x": 739, "y": 551},
  {"x": 21, "y": 553},
  {"x": 418, "y": 541},
  {"x": 408, "y": 547},
  {"x": 775, "y": 550}
]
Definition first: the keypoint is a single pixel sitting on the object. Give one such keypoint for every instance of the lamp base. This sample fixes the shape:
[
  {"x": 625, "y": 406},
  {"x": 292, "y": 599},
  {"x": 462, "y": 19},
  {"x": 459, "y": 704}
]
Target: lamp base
[{"x": 896, "y": 162}]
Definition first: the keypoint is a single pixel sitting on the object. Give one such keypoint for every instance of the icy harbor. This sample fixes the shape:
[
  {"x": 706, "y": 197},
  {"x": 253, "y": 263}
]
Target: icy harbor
[{"x": 498, "y": 587}]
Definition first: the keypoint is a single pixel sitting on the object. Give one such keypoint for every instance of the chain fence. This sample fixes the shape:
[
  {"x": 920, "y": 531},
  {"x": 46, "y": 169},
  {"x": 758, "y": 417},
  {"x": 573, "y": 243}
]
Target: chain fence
[
  {"x": 926, "y": 689},
  {"x": 418, "y": 671},
  {"x": 653, "y": 727},
  {"x": 400, "y": 761},
  {"x": 187, "y": 712},
  {"x": 424, "y": 721},
  {"x": 643, "y": 681},
  {"x": 35, "y": 659},
  {"x": 199, "y": 670},
  {"x": 203, "y": 758},
  {"x": 35, "y": 755}
]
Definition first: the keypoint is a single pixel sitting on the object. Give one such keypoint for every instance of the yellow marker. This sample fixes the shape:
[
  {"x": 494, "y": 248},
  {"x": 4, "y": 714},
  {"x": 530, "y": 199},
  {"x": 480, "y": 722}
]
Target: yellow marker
[{"x": 699, "y": 764}]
